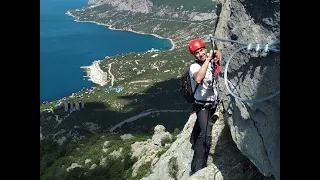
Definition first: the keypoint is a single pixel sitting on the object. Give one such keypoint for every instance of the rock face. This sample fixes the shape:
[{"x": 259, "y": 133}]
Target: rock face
[
  {"x": 95, "y": 2},
  {"x": 147, "y": 151},
  {"x": 225, "y": 161},
  {"x": 143, "y": 6},
  {"x": 159, "y": 134},
  {"x": 255, "y": 127},
  {"x": 181, "y": 150},
  {"x": 247, "y": 143}
]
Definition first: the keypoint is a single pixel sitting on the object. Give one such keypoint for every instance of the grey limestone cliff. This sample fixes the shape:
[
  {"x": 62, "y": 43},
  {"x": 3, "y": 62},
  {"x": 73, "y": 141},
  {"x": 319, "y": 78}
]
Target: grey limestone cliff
[{"x": 255, "y": 127}]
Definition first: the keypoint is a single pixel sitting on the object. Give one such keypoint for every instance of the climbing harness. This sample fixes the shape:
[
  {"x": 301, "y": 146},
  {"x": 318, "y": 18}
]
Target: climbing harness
[{"x": 256, "y": 47}]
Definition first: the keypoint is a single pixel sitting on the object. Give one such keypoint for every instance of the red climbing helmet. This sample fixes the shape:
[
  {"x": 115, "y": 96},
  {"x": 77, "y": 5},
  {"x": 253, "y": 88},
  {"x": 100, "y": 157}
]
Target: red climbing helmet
[{"x": 195, "y": 44}]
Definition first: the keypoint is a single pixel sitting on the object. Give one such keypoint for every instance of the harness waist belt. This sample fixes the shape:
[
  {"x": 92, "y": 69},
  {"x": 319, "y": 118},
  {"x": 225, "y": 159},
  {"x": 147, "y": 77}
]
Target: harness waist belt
[{"x": 200, "y": 101}]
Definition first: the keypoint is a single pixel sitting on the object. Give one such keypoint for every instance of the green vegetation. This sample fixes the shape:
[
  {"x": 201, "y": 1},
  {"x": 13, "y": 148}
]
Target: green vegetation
[
  {"x": 150, "y": 82},
  {"x": 143, "y": 170},
  {"x": 55, "y": 159},
  {"x": 166, "y": 140},
  {"x": 204, "y": 5},
  {"x": 173, "y": 167},
  {"x": 159, "y": 153},
  {"x": 176, "y": 131}
]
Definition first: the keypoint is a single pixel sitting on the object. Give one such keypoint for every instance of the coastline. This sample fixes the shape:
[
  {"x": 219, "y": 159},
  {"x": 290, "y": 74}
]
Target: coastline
[
  {"x": 95, "y": 74},
  {"x": 130, "y": 30}
]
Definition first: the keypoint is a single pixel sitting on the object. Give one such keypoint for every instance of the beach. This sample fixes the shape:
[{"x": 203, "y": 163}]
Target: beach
[
  {"x": 97, "y": 75},
  {"x": 94, "y": 72}
]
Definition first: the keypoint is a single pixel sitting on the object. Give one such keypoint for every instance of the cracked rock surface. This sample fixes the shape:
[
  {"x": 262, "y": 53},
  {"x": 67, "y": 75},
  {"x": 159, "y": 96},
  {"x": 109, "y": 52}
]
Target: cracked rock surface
[{"x": 254, "y": 127}]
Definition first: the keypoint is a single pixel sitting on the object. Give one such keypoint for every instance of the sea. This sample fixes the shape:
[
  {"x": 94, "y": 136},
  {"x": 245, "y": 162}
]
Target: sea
[{"x": 66, "y": 45}]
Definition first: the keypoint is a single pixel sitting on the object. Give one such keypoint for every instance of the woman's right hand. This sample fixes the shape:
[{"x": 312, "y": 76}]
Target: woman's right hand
[{"x": 209, "y": 58}]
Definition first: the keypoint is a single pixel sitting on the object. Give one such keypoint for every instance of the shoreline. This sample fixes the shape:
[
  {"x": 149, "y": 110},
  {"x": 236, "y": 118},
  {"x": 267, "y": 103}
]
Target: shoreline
[
  {"x": 129, "y": 30},
  {"x": 95, "y": 74}
]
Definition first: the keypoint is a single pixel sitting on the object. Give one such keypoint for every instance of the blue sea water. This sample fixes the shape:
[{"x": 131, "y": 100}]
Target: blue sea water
[{"x": 65, "y": 45}]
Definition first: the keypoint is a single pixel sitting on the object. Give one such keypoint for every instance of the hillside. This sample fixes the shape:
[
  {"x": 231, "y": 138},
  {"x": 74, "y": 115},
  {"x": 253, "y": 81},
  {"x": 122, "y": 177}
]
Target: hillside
[
  {"x": 84, "y": 144},
  {"x": 149, "y": 79}
]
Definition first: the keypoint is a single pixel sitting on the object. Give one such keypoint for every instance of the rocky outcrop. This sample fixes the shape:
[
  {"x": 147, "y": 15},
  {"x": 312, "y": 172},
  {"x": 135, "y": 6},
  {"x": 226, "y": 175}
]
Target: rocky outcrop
[
  {"x": 225, "y": 161},
  {"x": 250, "y": 143},
  {"x": 96, "y": 2},
  {"x": 181, "y": 150},
  {"x": 255, "y": 127},
  {"x": 146, "y": 6},
  {"x": 143, "y": 6},
  {"x": 147, "y": 151}
]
